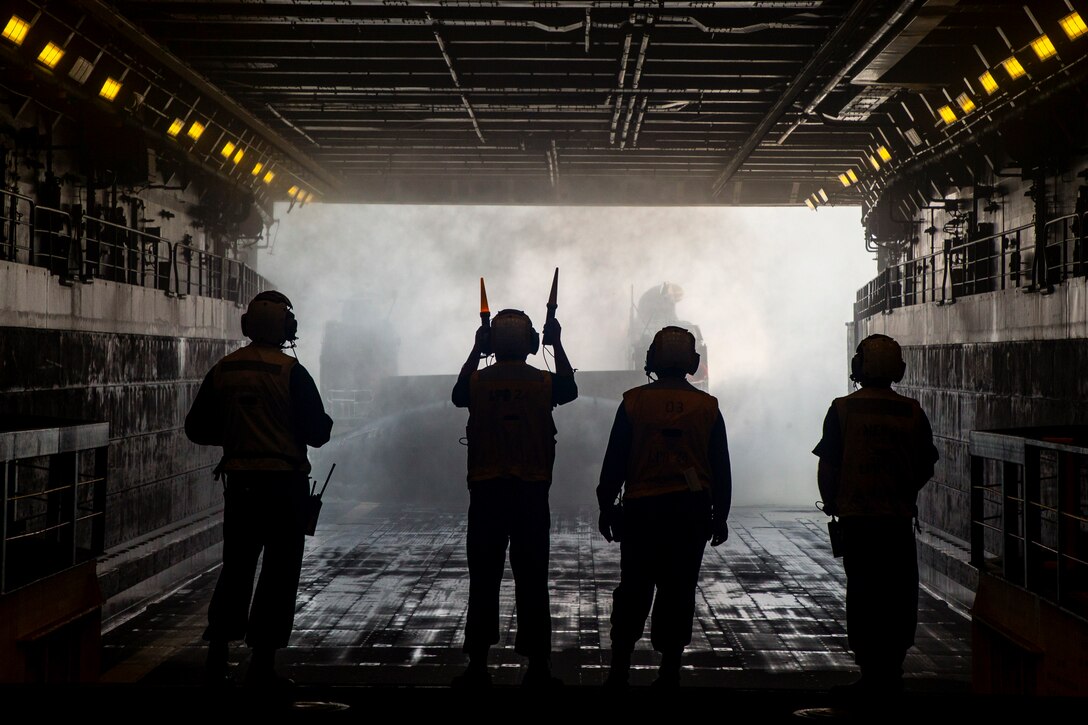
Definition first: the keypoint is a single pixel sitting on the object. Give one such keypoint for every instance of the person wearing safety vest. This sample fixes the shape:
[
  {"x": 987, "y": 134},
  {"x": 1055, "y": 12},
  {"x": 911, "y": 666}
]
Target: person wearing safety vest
[
  {"x": 876, "y": 453},
  {"x": 264, "y": 409},
  {"x": 511, "y": 448},
  {"x": 668, "y": 453}
]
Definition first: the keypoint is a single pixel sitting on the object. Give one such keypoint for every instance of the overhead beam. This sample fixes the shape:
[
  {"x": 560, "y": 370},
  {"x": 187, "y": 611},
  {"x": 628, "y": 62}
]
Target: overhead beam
[
  {"x": 106, "y": 15},
  {"x": 849, "y": 24}
]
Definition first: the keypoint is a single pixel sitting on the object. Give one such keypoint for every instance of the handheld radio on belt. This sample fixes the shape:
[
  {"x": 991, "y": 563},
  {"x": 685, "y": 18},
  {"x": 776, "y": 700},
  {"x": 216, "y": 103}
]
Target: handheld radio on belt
[{"x": 313, "y": 504}]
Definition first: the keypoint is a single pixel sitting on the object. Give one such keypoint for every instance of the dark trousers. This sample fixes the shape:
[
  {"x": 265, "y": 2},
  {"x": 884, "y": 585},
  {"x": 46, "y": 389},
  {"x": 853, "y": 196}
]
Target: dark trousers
[
  {"x": 516, "y": 512},
  {"x": 881, "y": 565},
  {"x": 662, "y": 547},
  {"x": 263, "y": 513}
]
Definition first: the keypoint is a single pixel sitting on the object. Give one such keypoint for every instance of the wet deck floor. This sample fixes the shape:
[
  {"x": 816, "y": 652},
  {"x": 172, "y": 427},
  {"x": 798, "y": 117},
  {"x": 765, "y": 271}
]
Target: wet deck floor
[{"x": 383, "y": 597}]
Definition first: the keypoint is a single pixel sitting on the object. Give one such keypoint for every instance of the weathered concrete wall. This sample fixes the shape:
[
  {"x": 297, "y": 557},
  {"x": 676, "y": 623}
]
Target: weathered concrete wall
[
  {"x": 995, "y": 360},
  {"x": 32, "y": 297},
  {"x": 132, "y": 357}
]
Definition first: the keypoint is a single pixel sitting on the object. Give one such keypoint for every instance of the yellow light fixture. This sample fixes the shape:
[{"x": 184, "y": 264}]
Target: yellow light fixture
[
  {"x": 810, "y": 205},
  {"x": 50, "y": 55},
  {"x": 823, "y": 195},
  {"x": 852, "y": 175},
  {"x": 884, "y": 153},
  {"x": 268, "y": 177},
  {"x": 874, "y": 163},
  {"x": 1073, "y": 25},
  {"x": 257, "y": 168},
  {"x": 293, "y": 191},
  {"x": 1043, "y": 47},
  {"x": 1012, "y": 67},
  {"x": 964, "y": 101},
  {"x": 947, "y": 114},
  {"x": 227, "y": 150},
  {"x": 844, "y": 180},
  {"x": 195, "y": 130},
  {"x": 16, "y": 30},
  {"x": 309, "y": 198},
  {"x": 110, "y": 89},
  {"x": 238, "y": 156},
  {"x": 989, "y": 83},
  {"x": 175, "y": 128}
]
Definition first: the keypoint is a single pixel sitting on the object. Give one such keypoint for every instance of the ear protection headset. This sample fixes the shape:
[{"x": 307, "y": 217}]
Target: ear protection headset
[
  {"x": 513, "y": 335},
  {"x": 877, "y": 357},
  {"x": 672, "y": 348},
  {"x": 269, "y": 319}
]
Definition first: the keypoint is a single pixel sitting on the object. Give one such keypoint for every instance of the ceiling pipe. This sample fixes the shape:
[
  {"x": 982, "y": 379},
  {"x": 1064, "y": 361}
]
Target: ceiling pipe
[
  {"x": 290, "y": 125},
  {"x": 457, "y": 83},
  {"x": 384, "y": 91},
  {"x": 648, "y": 5},
  {"x": 631, "y": 101},
  {"x": 679, "y": 20},
  {"x": 638, "y": 124},
  {"x": 641, "y": 59},
  {"x": 618, "y": 96}
]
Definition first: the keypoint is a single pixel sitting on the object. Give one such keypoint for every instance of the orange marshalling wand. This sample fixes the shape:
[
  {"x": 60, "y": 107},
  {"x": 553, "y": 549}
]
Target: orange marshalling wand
[{"x": 485, "y": 319}]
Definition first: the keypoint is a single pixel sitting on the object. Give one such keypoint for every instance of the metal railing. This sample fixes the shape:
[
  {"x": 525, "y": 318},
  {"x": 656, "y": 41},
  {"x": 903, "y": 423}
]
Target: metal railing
[
  {"x": 117, "y": 253},
  {"x": 53, "y": 484},
  {"x": 16, "y": 227},
  {"x": 1006, "y": 260},
  {"x": 197, "y": 272},
  {"x": 52, "y": 241},
  {"x": 1029, "y": 511},
  {"x": 89, "y": 248}
]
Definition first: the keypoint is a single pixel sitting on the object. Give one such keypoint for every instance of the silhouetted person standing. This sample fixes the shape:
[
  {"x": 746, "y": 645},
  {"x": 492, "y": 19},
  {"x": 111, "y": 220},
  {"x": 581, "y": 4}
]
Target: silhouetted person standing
[
  {"x": 263, "y": 408},
  {"x": 875, "y": 455},
  {"x": 668, "y": 452},
  {"x": 511, "y": 448}
]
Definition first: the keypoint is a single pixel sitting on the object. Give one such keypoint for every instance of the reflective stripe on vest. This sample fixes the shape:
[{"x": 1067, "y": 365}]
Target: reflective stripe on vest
[
  {"x": 879, "y": 429},
  {"x": 670, "y": 440},
  {"x": 510, "y": 427},
  {"x": 253, "y": 387}
]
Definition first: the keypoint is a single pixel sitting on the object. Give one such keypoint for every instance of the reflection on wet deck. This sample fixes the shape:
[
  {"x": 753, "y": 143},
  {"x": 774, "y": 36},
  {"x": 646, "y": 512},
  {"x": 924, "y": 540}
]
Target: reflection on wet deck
[{"x": 384, "y": 591}]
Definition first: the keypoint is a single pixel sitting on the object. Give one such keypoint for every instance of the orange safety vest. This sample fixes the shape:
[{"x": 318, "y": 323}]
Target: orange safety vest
[
  {"x": 253, "y": 388},
  {"x": 670, "y": 441},
  {"x": 880, "y": 453},
  {"x": 511, "y": 433}
]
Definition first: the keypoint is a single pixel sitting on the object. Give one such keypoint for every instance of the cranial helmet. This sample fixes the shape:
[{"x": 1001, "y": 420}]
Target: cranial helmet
[
  {"x": 513, "y": 336},
  {"x": 878, "y": 359},
  {"x": 269, "y": 319},
  {"x": 673, "y": 348}
]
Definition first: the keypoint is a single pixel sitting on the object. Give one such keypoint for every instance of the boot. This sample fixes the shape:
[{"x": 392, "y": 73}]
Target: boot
[
  {"x": 539, "y": 674},
  {"x": 216, "y": 666},
  {"x": 668, "y": 672},
  {"x": 262, "y": 670},
  {"x": 620, "y": 671},
  {"x": 475, "y": 675}
]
